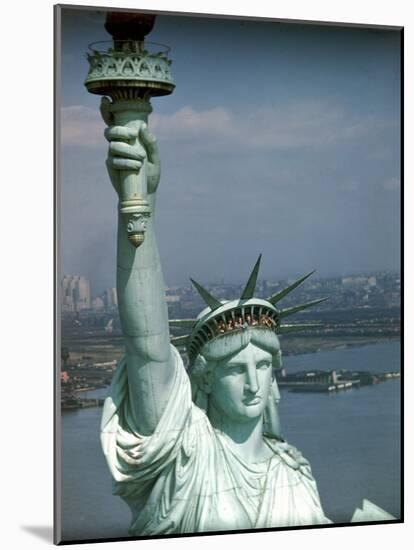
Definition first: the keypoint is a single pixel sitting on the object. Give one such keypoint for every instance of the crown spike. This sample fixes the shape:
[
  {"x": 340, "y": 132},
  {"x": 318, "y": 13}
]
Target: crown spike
[
  {"x": 251, "y": 283},
  {"x": 283, "y": 329},
  {"x": 182, "y": 323},
  {"x": 295, "y": 309},
  {"x": 210, "y": 300},
  {"x": 282, "y": 293}
]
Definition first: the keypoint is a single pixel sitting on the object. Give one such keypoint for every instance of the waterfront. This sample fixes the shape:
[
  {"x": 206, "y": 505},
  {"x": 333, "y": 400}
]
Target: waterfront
[{"x": 352, "y": 440}]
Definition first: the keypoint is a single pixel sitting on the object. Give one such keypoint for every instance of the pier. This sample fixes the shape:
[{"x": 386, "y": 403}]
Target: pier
[
  {"x": 320, "y": 381},
  {"x": 71, "y": 403}
]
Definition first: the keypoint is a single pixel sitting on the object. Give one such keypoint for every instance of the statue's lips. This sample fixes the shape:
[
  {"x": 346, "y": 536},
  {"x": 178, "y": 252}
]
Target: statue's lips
[{"x": 254, "y": 401}]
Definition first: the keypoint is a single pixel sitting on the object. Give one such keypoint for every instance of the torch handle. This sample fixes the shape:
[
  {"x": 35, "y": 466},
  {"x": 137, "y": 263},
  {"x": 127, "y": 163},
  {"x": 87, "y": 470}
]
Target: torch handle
[
  {"x": 133, "y": 192},
  {"x": 133, "y": 188}
]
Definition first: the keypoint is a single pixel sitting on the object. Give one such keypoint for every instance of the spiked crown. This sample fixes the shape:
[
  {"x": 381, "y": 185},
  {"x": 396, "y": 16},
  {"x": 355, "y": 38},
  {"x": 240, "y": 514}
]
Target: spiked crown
[{"x": 222, "y": 317}]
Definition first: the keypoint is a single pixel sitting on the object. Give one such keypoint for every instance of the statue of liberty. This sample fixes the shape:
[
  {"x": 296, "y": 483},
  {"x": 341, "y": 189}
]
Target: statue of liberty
[{"x": 198, "y": 448}]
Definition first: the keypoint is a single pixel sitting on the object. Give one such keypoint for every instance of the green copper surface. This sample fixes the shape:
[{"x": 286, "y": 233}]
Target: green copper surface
[
  {"x": 132, "y": 71},
  {"x": 282, "y": 293},
  {"x": 295, "y": 309},
  {"x": 251, "y": 283}
]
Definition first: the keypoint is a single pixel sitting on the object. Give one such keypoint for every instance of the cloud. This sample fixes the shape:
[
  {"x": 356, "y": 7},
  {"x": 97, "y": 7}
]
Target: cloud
[
  {"x": 307, "y": 124},
  {"x": 81, "y": 126},
  {"x": 187, "y": 123}
]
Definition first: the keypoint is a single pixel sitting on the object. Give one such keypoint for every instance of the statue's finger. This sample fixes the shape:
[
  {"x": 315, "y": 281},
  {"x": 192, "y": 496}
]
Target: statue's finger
[
  {"x": 124, "y": 164},
  {"x": 120, "y": 133},
  {"x": 150, "y": 144},
  {"x": 105, "y": 109},
  {"x": 118, "y": 148}
]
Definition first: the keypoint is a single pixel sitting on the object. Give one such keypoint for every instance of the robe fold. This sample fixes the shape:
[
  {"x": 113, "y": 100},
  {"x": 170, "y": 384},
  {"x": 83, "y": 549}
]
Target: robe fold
[{"x": 186, "y": 478}]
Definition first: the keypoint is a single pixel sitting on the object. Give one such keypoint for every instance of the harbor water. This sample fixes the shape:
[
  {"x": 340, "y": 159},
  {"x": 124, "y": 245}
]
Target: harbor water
[{"x": 351, "y": 438}]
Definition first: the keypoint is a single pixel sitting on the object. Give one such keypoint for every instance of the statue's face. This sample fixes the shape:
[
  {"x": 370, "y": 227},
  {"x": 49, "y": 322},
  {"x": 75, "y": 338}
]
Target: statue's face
[{"x": 241, "y": 384}]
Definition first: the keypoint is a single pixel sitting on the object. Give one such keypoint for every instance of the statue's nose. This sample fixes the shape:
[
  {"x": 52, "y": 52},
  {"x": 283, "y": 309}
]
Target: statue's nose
[{"x": 251, "y": 381}]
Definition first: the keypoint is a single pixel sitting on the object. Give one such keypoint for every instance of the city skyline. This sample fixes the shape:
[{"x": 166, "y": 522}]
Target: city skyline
[
  {"x": 77, "y": 294},
  {"x": 295, "y": 154},
  {"x": 369, "y": 289}
]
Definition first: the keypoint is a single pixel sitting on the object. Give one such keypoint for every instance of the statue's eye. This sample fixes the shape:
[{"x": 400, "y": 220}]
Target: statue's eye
[
  {"x": 263, "y": 365},
  {"x": 234, "y": 369}
]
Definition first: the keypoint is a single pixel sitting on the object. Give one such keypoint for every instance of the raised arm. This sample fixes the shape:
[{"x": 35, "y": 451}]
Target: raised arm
[{"x": 140, "y": 285}]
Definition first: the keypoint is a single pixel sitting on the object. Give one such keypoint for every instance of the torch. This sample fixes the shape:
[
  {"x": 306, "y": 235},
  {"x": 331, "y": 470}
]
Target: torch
[{"x": 130, "y": 72}]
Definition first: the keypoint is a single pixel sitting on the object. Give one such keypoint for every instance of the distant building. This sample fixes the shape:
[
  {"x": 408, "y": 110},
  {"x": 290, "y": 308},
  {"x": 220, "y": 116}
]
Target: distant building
[
  {"x": 98, "y": 304},
  {"x": 76, "y": 293},
  {"x": 372, "y": 281},
  {"x": 110, "y": 298},
  {"x": 355, "y": 280}
]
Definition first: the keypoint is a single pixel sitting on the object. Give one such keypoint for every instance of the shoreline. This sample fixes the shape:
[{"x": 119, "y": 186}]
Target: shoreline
[
  {"x": 309, "y": 346},
  {"x": 325, "y": 346}
]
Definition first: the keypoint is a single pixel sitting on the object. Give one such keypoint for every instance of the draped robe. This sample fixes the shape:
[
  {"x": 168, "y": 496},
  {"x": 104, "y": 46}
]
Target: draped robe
[{"x": 186, "y": 478}]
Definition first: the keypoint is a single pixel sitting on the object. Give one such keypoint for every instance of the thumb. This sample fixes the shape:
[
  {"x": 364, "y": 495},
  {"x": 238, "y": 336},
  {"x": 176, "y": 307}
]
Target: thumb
[
  {"x": 105, "y": 108},
  {"x": 150, "y": 144}
]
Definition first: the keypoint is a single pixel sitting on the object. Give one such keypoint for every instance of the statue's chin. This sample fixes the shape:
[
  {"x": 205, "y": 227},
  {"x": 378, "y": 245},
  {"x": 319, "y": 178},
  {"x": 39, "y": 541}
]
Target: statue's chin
[
  {"x": 241, "y": 413},
  {"x": 252, "y": 411}
]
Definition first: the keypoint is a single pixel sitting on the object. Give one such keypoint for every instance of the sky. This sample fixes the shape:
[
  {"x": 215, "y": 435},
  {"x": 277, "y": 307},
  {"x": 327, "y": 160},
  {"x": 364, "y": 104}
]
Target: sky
[{"x": 280, "y": 138}]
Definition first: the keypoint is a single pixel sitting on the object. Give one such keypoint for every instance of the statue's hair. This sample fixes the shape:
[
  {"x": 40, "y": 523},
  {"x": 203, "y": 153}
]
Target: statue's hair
[{"x": 227, "y": 345}]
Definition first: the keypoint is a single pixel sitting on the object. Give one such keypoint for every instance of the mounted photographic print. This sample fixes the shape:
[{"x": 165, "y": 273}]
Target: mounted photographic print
[{"x": 228, "y": 274}]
